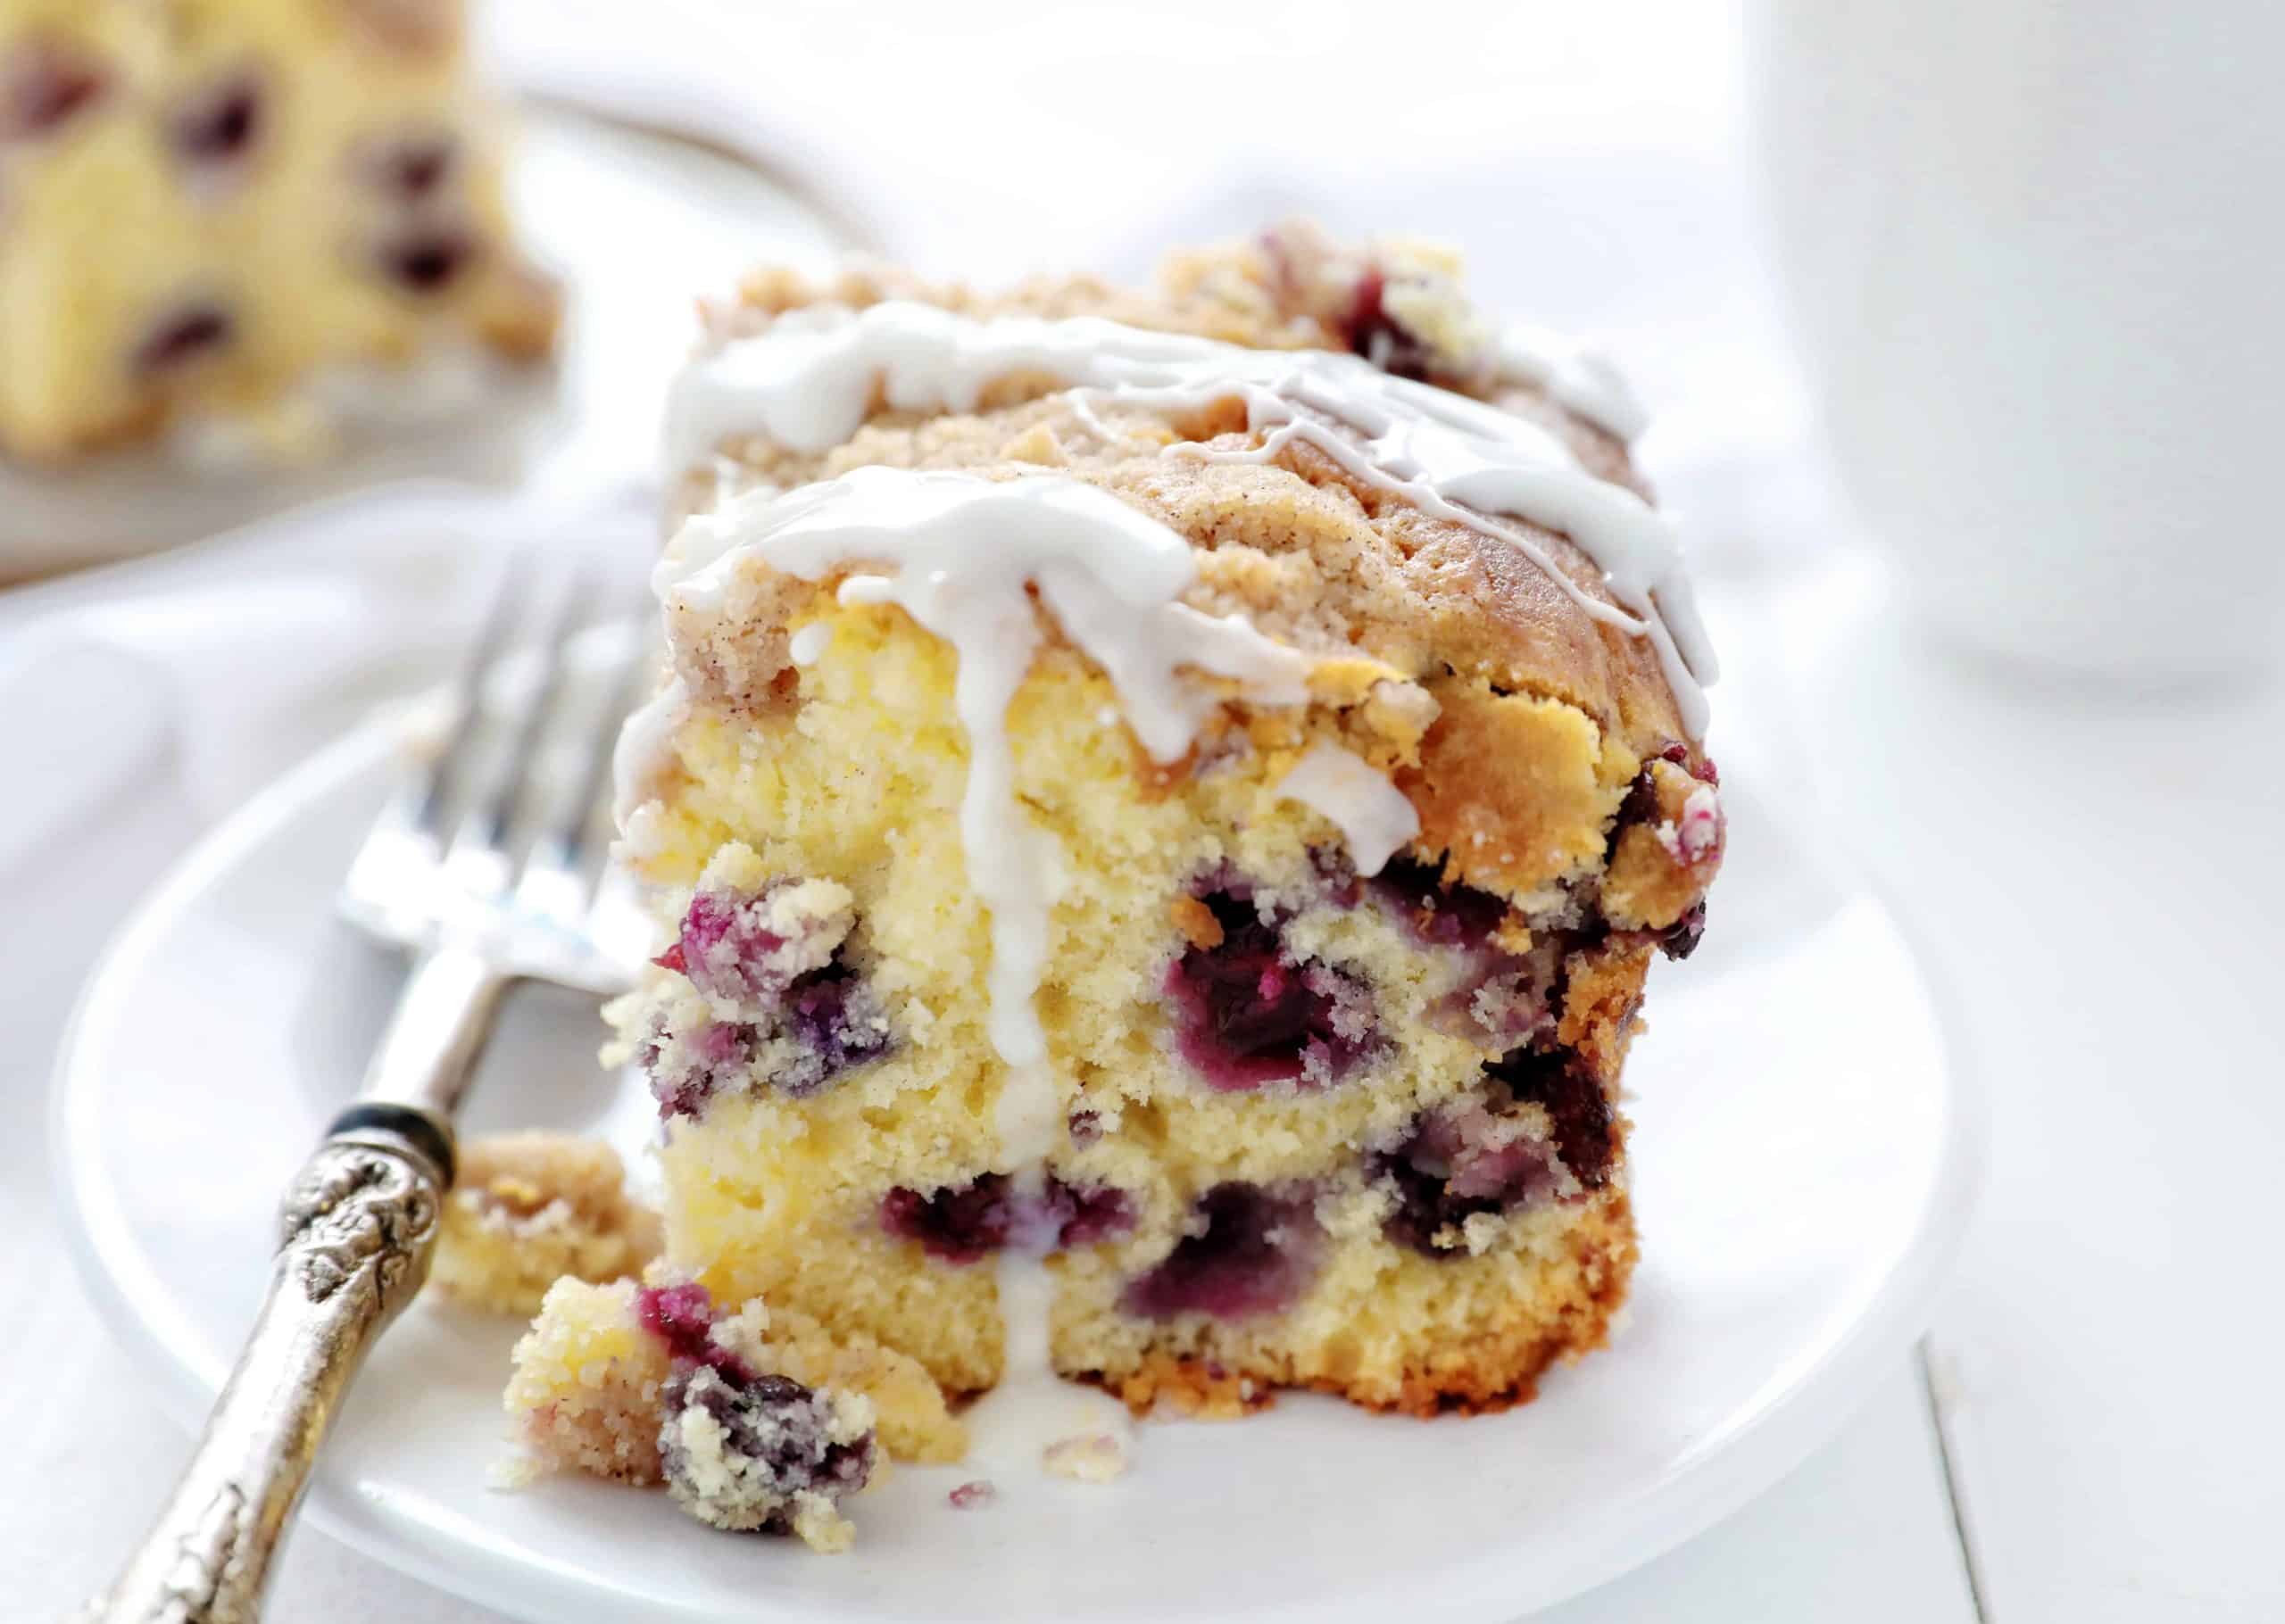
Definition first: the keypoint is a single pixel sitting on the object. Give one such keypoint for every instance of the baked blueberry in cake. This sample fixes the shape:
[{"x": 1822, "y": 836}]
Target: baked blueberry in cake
[
  {"x": 1160, "y": 812},
  {"x": 756, "y": 1421},
  {"x": 207, "y": 205}
]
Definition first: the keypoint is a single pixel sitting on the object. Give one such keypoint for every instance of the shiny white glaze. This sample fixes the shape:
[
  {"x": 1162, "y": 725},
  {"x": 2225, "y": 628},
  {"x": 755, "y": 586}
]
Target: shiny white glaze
[
  {"x": 1374, "y": 819},
  {"x": 809, "y": 379}
]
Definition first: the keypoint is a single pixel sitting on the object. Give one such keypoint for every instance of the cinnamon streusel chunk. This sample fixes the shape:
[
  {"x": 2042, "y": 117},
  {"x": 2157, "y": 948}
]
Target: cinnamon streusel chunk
[{"x": 531, "y": 1208}]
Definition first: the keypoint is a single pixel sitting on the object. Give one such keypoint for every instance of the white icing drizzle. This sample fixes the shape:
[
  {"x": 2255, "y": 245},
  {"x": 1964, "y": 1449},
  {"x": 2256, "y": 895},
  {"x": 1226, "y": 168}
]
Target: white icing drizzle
[
  {"x": 966, "y": 553},
  {"x": 808, "y": 380},
  {"x": 1576, "y": 375},
  {"x": 1374, "y": 819},
  {"x": 807, "y": 645},
  {"x": 644, "y": 746}
]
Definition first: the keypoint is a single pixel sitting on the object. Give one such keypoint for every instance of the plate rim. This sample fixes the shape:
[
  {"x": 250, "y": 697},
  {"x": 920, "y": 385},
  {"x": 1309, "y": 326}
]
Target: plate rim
[{"x": 1788, "y": 1427}]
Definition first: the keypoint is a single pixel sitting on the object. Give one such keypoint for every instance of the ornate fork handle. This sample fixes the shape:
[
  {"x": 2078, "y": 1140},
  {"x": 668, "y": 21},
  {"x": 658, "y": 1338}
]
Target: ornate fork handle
[{"x": 357, "y": 1228}]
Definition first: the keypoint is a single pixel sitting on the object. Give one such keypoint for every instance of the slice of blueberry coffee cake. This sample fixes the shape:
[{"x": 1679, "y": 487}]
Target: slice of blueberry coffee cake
[
  {"x": 1160, "y": 814},
  {"x": 209, "y": 207}
]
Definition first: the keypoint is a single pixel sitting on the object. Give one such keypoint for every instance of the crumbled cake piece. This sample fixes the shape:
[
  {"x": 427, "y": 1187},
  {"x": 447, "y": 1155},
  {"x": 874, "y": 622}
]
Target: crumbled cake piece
[
  {"x": 647, "y": 1385},
  {"x": 205, "y": 209},
  {"x": 594, "y": 1391},
  {"x": 1086, "y": 1457},
  {"x": 531, "y": 1208},
  {"x": 585, "y": 1392},
  {"x": 909, "y": 1408},
  {"x": 1001, "y": 627},
  {"x": 751, "y": 1453}
]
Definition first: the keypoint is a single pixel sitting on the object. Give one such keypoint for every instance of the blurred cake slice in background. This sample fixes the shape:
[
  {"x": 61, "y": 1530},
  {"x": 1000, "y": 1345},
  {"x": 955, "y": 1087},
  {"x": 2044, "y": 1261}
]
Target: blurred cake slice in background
[{"x": 220, "y": 216}]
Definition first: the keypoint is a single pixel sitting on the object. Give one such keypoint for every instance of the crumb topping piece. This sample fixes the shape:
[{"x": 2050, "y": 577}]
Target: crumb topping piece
[{"x": 534, "y": 1207}]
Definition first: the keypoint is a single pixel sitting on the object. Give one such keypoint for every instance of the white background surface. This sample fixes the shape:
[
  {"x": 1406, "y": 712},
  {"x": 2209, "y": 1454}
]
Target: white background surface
[{"x": 2096, "y": 876}]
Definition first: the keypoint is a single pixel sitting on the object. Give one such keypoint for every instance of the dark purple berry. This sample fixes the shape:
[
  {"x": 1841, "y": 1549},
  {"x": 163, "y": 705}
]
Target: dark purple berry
[
  {"x": 827, "y": 1012},
  {"x": 1086, "y": 1213},
  {"x": 959, "y": 1225},
  {"x": 683, "y": 1318},
  {"x": 772, "y": 1439},
  {"x": 1642, "y": 803},
  {"x": 1680, "y": 939},
  {"x": 1251, "y": 1015},
  {"x": 1456, "y": 1163},
  {"x": 727, "y": 949},
  {"x": 965, "y": 1224},
  {"x": 1639, "y": 806},
  {"x": 1380, "y": 337},
  {"x": 194, "y": 331},
  {"x": 1250, "y": 1250},
  {"x": 712, "y": 1056},
  {"x": 43, "y": 82},
  {"x": 220, "y": 124},
  {"x": 413, "y": 168},
  {"x": 1565, "y": 1085},
  {"x": 1440, "y": 911},
  {"x": 803, "y": 1021},
  {"x": 429, "y": 260}
]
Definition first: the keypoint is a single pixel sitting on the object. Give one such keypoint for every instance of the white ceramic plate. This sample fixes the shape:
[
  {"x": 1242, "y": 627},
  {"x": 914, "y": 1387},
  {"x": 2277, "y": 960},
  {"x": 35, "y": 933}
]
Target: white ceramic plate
[{"x": 1803, "y": 1168}]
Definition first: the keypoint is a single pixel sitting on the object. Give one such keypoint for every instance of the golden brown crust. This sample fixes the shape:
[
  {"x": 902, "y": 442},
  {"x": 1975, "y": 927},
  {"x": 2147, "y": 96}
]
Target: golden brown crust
[
  {"x": 1544, "y": 697},
  {"x": 1315, "y": 556},
  {"x": 1491, "y": 1370},
  {"x": 1513, "y": 791},
  {"x": 1602, "y": 991},
  {"x": 1652, "y": 880},
  {"x": 1204, "y": 1388}
]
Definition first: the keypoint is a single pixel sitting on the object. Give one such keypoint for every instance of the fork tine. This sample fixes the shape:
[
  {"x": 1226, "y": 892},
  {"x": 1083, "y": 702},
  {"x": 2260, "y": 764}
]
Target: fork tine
[
  {"x": 570, "y": 836},
  {"x": 558, "y": 883},
  {"x": 489, "y": 825},
  {"x": 468, "y": 694}
]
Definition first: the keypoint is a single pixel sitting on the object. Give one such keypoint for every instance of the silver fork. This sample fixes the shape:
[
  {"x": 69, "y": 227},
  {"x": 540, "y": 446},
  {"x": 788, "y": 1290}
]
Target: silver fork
[{"x": 359, "y": 1222}]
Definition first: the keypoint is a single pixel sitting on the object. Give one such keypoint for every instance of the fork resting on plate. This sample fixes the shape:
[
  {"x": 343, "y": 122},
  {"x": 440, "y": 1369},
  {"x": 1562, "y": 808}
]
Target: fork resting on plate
[{"x": 359, "y": 1222}]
